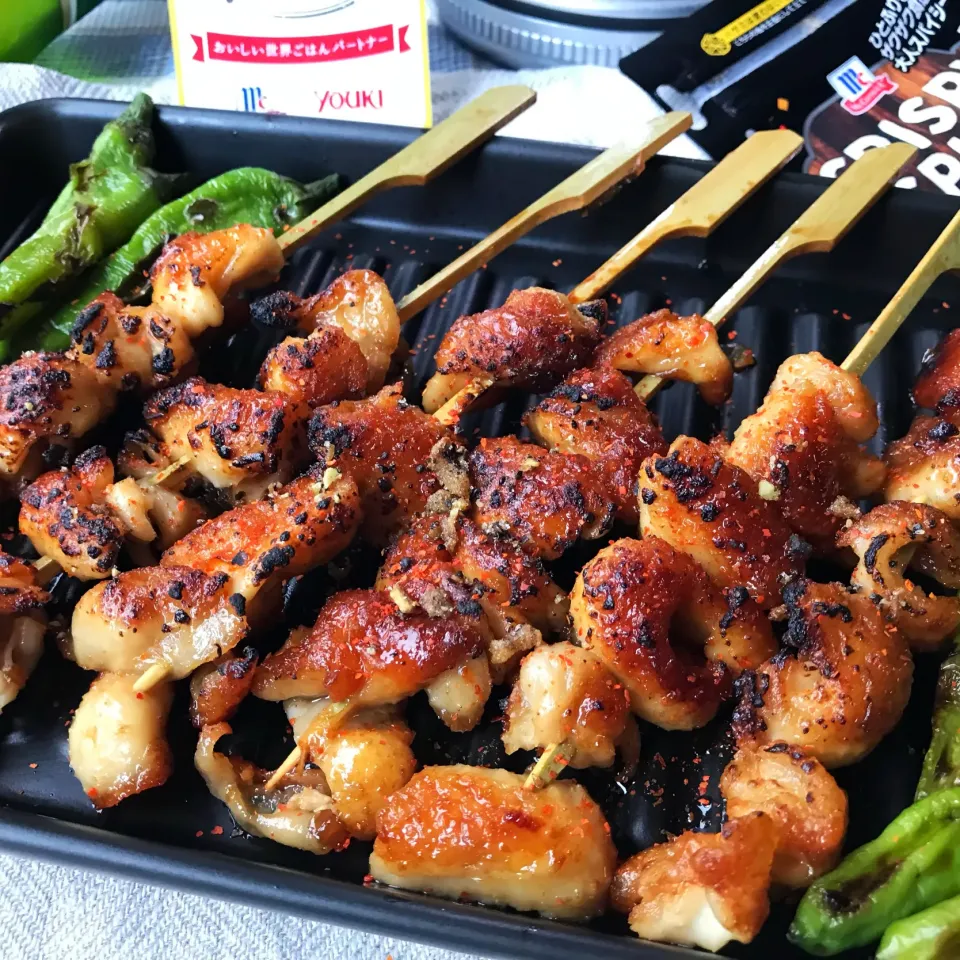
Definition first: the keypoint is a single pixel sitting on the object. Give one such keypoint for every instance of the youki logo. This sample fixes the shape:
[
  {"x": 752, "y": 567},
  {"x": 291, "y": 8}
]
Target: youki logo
[
  {"x": 253, "y": 100},
  {"x": 858, "y": 87}
]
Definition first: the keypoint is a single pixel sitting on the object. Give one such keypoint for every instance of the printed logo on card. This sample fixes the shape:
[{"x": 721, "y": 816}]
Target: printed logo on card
[{"x": 858, "y": 87}]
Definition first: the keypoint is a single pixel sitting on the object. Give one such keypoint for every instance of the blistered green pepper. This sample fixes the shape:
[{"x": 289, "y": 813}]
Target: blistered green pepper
[
  {"x": 245, "y": 195},
  {"x": 108, "y": 196},
  {"x": 941, "y": 765},
  {"x": 932, "y": 934},
  {"x": 912, "y": 865}
]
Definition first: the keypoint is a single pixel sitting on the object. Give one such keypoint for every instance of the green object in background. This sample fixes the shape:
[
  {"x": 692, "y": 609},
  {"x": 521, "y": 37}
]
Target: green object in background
[
  {"x": 912, "y": 865},
  {"x": 109, "y": 195},
  {"x": 933, "y": 934},
  {"x": 941, "y": 765},
  {"x": 27, "y": 26},
  {"x": 246, "y": 195}
]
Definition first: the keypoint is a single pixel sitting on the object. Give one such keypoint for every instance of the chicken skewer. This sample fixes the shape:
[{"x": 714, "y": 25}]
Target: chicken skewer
[{"x": 480, "y": 353}]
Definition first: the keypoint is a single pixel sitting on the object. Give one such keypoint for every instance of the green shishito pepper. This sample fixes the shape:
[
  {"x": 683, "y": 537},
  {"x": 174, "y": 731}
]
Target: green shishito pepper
[
  {"x": 245, "y": 195},
  {"x": 912, "y": 865},
  {"x": 941, "y": 765},
  {"x": 932, "y": 934},
  {"x": 108, "y": 196}
]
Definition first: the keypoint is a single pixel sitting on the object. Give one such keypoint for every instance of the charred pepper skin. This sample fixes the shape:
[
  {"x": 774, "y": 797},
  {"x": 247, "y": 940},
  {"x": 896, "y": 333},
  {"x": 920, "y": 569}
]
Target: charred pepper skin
[
  {"x": 932, "y": 934},
  {"x": 108, "y": 196},
  {"x": 245, "y": 195},
  {"x": 912, "y": 865},
  {"x": 941, "y": 765}
]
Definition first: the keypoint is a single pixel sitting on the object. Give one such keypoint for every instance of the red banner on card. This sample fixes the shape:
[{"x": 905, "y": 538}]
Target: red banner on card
[{"x": 342, "y": 46}]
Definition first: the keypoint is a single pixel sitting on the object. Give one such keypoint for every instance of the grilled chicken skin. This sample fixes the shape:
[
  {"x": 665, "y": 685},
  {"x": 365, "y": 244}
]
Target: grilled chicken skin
[
  {"x": 701, "y": 889},
  {"x": 665, "y": 631},
  {"x": 840, "y": 685},
  {"x": 22, "y": 625},
  {"x": 597, "y": 414},
  {"x": 531, "y": 342},
  {"x": 677, "y": 348},
  {"x": 53, "y": 398},
  {"x": 462, "y": 831}
]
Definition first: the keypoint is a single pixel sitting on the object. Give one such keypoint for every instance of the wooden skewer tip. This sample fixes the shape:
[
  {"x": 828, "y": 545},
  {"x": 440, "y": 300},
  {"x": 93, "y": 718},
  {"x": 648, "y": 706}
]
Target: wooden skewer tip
[{"x": 151, "y": 677}]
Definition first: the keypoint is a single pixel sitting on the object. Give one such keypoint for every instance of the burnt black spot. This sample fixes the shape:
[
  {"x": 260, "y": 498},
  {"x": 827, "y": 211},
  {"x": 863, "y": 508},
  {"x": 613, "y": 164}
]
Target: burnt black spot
[
  {"x": 832, "y": 610},
  {"x": 107, "y": 357},
  {"x": 164, "y": 362},
  {"x": 647, "y": 495},
  {"x": 797, "y": 549},
  {"x": 275, "y": 310},
  {"x": 175, "y": 590},
  {"x": 870, "y": 557},
  {"x": 181, "y": 616},
  {"x": 84, "y": 318},
  {"x": 942, "y": 430},
  {"x": 239, "y": 604},
  {"x": 709, "y": 512},
  {"x": 195, "y": 276},
  {"x": 688, "y": 482}
]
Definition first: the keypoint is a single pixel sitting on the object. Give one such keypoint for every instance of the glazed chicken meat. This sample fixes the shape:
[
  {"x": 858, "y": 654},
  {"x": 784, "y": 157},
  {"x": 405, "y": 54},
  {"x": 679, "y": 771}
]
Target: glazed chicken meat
[{"x": 22, "y": 625}]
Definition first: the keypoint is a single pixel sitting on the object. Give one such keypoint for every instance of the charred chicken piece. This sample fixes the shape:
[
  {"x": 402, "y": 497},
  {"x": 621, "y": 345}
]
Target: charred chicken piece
[
  {"x": 535, "y": 339},
  {"x": 676, "y": 348},
  {"x": 888, "y": 540},
  {"x": 840, "y": 685},
  {"x": 22, "y": 625},
  {"x": 924, "y": 466},
  {"x": 803, "y": 444},
  {"x": 665, "y": 631},
  {"x": 544, "y": 499},
  {"x": 365, "y": 760},
  {"x": 597, "y": 414},
  {"x": 400, "y": 457},
  {"x": 359, "y": 303},
  {"x": 80, "y": 517},
  {"x": 938, "y": 385},
  {"x": 53, "y": 398},
  {"x": 462, "y": 831},
  {"x": 217, "y": 689},
  {"x": 800, "y": 796},
  {"x": 117, "y": 741},
  {"x": 564, "y": 694},
  {"x": 299, "y": 813},
  {"x": 700, "y": 889},
  {"x": 711, "y": 510},
  {"x": 366, "y": 649}
]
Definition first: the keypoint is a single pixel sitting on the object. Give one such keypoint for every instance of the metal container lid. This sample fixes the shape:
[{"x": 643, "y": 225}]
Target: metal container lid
[{"x": 549, "y": 33}]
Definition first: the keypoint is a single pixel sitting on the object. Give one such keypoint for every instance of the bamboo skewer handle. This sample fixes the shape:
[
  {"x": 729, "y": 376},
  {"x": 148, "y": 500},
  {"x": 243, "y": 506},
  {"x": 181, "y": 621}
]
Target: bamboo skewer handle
[
  {"x": 578, "y": 191},
  {"x": 704, "y": 206},
  {"x": 942, "y": 257},
  {"x": 421, "y": 161},
  {"x": 817, "y": 230}
]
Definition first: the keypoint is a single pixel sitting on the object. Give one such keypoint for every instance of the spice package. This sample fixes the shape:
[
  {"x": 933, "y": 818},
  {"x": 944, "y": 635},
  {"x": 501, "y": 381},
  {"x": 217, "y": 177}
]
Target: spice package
[
  {"x": 849, "y": 75},
  {"x": 339, "y": 59}
]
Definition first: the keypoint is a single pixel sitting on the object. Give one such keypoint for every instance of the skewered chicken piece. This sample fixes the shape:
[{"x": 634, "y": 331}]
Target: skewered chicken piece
[
  {"x": 597, "y": 414},
  {"x": 565, "y": 694},
  {"x": 800, "y": 796},
  {"x": 366, "y": 650},
  {"x": 841, "y": 684},
  {"x": 462, "y": 831},
  {"x": 365, "y": 760},
  {"x": 888, "y": 540},
  {"x": 924, "y": 466},
  {"x": 700, "y": 889},
  {"x": 242, "y": 441},
  {"x": 400, "y": 457},
  {"x": 710, "y": 509},
  {"x": 531, "y": 342},
  {"x": 218, "y": 688},
  {"x": 194, "y": 607},
  {"x": 117, "y": 742},
  {"x": 676, "y": 348},
  {"x": 53, "y": 398},
  {"x": 804, "y": 444},
  {"x": 545, "y": 499},
  {"x": 300, "y": 813},
  {"x": 81, "y": 516},
  {"x": 665, "y": 631},
  {"x": 22, "y": 625}
]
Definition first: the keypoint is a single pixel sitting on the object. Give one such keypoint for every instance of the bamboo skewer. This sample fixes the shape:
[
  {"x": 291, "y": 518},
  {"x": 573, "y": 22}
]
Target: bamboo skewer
[
  {"x": 817, "y": 230},
  {"x": 427, "y": 157},
  {"x": 588, "y": 185},
  {"x": 941, "y": 258}
]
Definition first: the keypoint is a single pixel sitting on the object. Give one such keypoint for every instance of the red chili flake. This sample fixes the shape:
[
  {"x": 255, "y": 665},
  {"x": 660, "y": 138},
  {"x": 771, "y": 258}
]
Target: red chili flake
[
  {"x": 217, "y": 831},
  {"x": 32, "y": 766},
  {"x": 731, "y": 334},
  {"x": 945, "y": 305},
  {"x": 199, "y": 833},
  {"x": 92, "y": 792},
  {"x": 846, "y": 316},
  {"x": 557, "y": 262},
  {"x": 368, "y": 878},
  {"x": 139, "y": 695}
]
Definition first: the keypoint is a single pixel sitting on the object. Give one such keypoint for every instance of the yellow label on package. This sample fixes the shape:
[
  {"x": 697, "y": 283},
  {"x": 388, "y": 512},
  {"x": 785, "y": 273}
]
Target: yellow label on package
[{"x": 340, "y": 59}]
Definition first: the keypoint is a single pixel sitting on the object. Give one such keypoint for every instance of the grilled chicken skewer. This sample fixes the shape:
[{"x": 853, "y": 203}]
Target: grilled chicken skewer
[{"x": 22, "y": 625}]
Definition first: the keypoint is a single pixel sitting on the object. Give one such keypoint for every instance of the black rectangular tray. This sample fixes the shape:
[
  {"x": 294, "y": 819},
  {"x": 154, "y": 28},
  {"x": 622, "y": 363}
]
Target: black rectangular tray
[{"x": 816, "y": 302}]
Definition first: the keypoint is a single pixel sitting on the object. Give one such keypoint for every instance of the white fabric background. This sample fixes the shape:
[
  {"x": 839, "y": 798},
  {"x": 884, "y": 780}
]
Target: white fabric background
[{"x": 51, "y": 913}]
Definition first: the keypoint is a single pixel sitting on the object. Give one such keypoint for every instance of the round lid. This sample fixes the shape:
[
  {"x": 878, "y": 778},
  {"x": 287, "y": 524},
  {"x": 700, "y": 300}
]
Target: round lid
[{"x": 584, "y": 10}]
